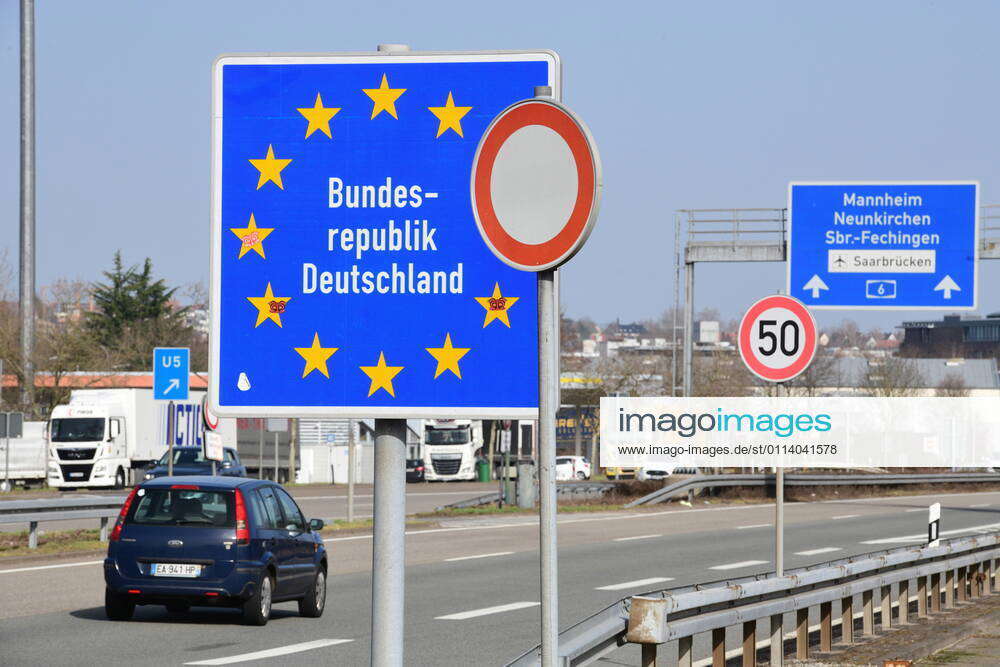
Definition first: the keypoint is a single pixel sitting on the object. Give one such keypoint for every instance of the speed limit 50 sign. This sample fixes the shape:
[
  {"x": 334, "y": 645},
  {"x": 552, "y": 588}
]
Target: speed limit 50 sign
[{"x": 777, "y": 338}]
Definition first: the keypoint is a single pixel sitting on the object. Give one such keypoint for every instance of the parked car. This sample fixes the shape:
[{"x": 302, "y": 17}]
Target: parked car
[
  {"x": 192, "y": 461},
  {"x": 614, "y": 472},
  {"x": 572, "y": 467},
  {"x": 414, "y": 470},
  {"x": 646, "y": 474},
  {"x": 215, "y": 541}
]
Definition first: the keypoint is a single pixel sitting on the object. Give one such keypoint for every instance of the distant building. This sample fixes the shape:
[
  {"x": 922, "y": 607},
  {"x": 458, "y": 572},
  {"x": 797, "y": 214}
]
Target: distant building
[
  {"x": 953, "y": 336},
  {"x": 851, "y": 376}
]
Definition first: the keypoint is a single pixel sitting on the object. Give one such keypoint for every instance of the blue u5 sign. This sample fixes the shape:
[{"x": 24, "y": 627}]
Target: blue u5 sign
[{"x": 171, "y": 373}]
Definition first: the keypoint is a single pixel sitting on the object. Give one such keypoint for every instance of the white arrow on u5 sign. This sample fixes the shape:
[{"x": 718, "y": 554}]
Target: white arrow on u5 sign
[{"x": 948, "y": 286}]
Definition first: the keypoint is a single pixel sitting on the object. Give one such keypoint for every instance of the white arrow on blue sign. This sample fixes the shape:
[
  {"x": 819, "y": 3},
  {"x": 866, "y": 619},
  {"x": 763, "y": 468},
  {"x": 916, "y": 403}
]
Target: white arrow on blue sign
[
  {"x": 171, "y": 372},
  {"x": 883, "y": 245}
]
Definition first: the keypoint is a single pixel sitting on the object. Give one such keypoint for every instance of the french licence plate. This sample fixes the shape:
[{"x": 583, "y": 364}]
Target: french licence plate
[{"x": 175, "y": 570}]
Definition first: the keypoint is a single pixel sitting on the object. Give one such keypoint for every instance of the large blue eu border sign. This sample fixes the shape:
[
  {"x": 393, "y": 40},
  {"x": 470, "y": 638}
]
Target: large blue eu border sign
[
  {"x": 348, "y": 276},
  {"x": 883, "y": 245}
]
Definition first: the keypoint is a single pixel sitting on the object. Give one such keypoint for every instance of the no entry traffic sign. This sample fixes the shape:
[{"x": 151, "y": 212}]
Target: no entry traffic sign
[
  {"x": 777, "y": 338},
  {"x": 536, "y": 183}
]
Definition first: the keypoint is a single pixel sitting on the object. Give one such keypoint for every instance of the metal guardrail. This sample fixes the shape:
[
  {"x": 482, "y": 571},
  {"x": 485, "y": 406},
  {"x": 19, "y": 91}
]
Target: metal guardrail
[
  {"x": 969, "y": 567},
  {"x": 32, "y": 512},
  {"x": 719, "y": 481},
  {"x": 563, "y": 491}
]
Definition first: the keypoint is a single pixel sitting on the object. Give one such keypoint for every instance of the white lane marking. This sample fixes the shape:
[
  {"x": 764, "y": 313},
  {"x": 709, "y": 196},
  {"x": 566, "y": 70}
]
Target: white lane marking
[
  {"x": 922, "y": 537},
  {"x": 814, "y": 552},
  {"x": 272, "y": 652},
  {"x": 846, "y": 516},
  {"x": 462, "y": 615},
  {"x": 498, "y": 553},
  {"x": 733, "y": 566},
  {"x": 51, "y": 567},
  {"x": 633, "y": 584},
  {"x": 981, "y": 505},
  {"x": 918, "y": 509},
  {"x": 638, "y": 537},
  {"x": 754, "y": 525}
]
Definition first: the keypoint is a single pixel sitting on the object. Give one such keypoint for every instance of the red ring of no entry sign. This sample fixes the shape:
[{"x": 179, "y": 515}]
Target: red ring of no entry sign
[
  {"x": 557, "y": 248},
  {"x": 809, "y": 334}
]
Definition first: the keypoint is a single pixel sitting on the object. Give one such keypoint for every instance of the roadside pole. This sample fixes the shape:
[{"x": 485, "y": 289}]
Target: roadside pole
[
  {"x": 277, "y": 467},
  {"x": 26, "y": 274},
  {"x": 389, "y": 542},
  {"x": 547, "y": 406},
  {"x": 171, "y": 421},
  {"x": 260, "y": 449},
  {"x": 779, "y": 522},
  {"x": 6, "y": 448},
  {"x": 578, "y": 431},
  {"x": 350, "y": 470},
  {"x": 293, "y": 435}
]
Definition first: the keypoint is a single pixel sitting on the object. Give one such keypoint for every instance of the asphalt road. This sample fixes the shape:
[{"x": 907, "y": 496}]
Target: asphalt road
[{"x": 471, "y": 585}]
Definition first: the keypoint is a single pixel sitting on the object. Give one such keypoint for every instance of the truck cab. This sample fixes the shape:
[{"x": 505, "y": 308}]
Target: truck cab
[
  {"x": 450, "y": 449},
  {"x": 87, "y": 447}
]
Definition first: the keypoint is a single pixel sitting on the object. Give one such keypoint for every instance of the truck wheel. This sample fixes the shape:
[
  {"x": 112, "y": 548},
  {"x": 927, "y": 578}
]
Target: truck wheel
[
  {"x": 257, "y": 609},
  {"x": 117, "y": 607},
  {"x": 120, "y": 479},
  {"x": 312, "y": 605}
]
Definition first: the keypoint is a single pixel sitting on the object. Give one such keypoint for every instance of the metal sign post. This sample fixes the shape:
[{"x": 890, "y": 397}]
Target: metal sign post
[
  {"x": 5, "y": 424},
  {"x": 536, "y": 183},
  {"x": 286, "y": 176},
  {"x": 351, "y": 465}
]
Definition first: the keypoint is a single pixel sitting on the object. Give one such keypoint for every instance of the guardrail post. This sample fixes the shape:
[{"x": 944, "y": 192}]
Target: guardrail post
[
  {"x": 996, "y": 574},
  {"x": 988, "y": 580},
  {"x": 719, "y": 647},
  {"x": 802, "y": 634},
  {"x": 886, "y": 608},
  {"x": 104, "y": 529},
  {"x": 949, "y": 589},
  {"x": 685, "y": 653},
  {"x": 777, "y": 640},
  {"x": 749, "y": 643},
  {"x": 826, "y": 627},
  {"x": 868, "y": 620},
  {"x": 32, "y": 534},
  {"x": 936, "y": 592},
  {"x": 904, "y": 602},
  {"x": 963, "y": 591},
  {"x": 648, "y": 655},
  {"x": 922, "y": 597},
  {"x": 847, "y": 619},
  {"x": 974, "y": 581}
]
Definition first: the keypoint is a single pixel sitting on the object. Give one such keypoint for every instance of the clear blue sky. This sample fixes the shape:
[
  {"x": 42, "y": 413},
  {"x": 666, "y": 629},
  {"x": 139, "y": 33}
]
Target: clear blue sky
[{"x": 693, "y": 104}]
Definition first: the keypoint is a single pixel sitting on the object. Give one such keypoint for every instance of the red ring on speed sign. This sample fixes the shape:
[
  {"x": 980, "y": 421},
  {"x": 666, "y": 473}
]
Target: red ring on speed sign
[
  {"x": 806, "y": 351},
  {"x": 567, "y": 241},
  {"x": 211, "y": 421}
]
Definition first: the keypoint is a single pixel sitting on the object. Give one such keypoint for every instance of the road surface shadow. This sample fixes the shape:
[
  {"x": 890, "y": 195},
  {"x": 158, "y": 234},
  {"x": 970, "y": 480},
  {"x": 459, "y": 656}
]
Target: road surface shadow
[{"x": 196, "y": 616}]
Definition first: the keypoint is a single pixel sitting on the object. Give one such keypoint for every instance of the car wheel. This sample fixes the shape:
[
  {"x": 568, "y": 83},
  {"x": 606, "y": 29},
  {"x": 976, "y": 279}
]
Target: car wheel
[
  {"x": 312, "y": 605},
  {"x": 117, "y": 607},
  {"x": 178, "y": 607},
  {"x": 581, "y": 475},
  {"x": 257, "y": 609},
  {"x": 120, "y": 479}
]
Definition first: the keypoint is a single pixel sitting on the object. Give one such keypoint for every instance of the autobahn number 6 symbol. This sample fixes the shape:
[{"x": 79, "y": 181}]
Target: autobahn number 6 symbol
[{"x": 777, "y": 338}]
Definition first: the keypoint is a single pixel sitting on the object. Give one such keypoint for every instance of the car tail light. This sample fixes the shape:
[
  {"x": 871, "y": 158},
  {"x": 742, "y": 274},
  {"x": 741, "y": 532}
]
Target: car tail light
[
  {"x": 135, "y": 591},
  {"x": 117, "y": 530},
  {"x": 211, "y": 594},
  {"x": 189, "y": 487},
  {"x": 242, "y": 530},
  {"x": 420, "y": 468}
]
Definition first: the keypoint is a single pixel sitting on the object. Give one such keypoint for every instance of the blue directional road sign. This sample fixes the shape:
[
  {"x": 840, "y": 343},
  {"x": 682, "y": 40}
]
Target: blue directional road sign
[
  {"x": 883, "y": 245},
  {"x": 349, "y": 277},
  {"x": 171, "y": 373}
]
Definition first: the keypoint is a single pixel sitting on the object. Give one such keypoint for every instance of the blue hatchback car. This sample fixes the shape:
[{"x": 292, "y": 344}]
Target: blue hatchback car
[{"x": 214, "y": 541}]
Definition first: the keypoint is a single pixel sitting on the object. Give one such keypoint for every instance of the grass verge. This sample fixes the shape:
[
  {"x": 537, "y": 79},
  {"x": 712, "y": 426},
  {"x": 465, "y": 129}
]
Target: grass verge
[{"x": 55, "y": 542}]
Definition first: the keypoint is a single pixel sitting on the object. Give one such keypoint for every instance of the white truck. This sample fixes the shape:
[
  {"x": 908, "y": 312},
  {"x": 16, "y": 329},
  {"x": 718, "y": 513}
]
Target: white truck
[
  {"x": 105, "y": 437},
  {"x": 450, "y": 448}
]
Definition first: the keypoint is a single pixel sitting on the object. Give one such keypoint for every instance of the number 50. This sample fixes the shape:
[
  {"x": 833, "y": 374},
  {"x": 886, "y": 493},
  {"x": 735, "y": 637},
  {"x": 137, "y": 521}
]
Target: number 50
[{"x": 786, "y": 339}]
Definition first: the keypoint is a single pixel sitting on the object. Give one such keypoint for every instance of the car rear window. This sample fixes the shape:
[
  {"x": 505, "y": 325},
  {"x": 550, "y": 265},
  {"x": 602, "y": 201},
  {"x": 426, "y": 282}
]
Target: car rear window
[{"x": 184, "y": 507}]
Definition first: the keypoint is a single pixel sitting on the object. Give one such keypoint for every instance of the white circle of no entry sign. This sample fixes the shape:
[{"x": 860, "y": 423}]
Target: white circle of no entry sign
[
  {"x": 777, "y": 338},
  {"x": 536, "y": 184}
]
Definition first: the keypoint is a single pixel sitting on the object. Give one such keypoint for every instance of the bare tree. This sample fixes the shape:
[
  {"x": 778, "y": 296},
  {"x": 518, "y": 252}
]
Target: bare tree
[
  {"x": 952, "y": 384},
  {"x": 822, "y": 373},
  {"x": 720, "y": 374},
  {"x": 893, "y": 376}
]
